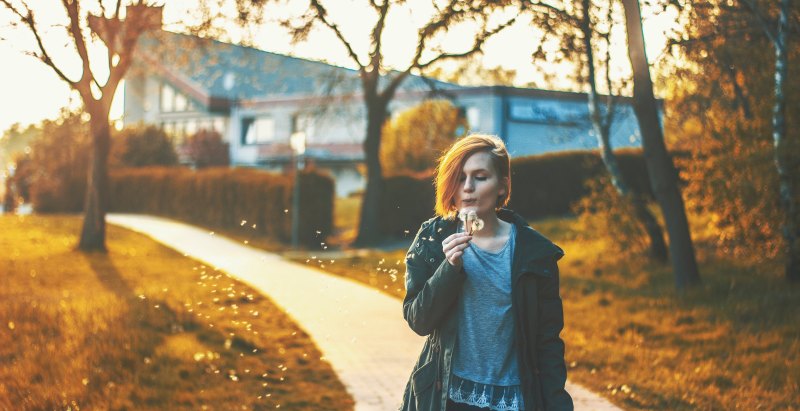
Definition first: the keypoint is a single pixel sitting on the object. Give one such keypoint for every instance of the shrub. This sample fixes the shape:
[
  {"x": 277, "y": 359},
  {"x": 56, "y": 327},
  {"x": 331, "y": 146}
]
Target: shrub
[
  {"x": 413, "y": 141},
  {"x": 59, "y": 165},
  {"x": 142, "y": 145},
  {"x": 236, "y": 198},
  {"x": 206, "y": 149},
  {"x": 405, "y": 203},
  {"x": 542, "y": 186}
]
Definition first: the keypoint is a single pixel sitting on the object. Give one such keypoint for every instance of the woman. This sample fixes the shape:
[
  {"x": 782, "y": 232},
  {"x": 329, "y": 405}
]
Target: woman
[{"x": 487, "y": 297}]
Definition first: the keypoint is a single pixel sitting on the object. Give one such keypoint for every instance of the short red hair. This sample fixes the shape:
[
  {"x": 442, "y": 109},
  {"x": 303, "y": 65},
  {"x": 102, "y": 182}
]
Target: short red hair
[{"x": 451, "y": 163}]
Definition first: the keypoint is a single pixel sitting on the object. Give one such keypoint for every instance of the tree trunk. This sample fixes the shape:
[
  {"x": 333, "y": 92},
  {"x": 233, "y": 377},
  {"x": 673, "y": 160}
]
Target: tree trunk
[
  {"x": 93, "y": 234},
  {"x": 663, "y": 175},
  {"x": 783, "y": 151},
  {"x": 368, "y": 226},
  {"x": 658, "y": 247}
]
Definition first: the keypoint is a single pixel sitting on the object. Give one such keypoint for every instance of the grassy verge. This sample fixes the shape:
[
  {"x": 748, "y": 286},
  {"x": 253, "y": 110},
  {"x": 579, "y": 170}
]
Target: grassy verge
[
  {"x": 732, "y": 343},
  {"x": 142, "y": 327}
]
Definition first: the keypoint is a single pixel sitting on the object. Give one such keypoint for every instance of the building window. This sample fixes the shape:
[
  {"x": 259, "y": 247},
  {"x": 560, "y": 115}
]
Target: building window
[
  {"x": 304, "y": 123},
  {"x": 473, "y": 118},
  {"x": 219, "y": 125},
  {"x": 174, "y": 101},
  {"x": 167, "y": 98},
  {"x": 180, "y": 102},
  {"x": 258, "y": 130},
  {"x": 191, "y": 128}
]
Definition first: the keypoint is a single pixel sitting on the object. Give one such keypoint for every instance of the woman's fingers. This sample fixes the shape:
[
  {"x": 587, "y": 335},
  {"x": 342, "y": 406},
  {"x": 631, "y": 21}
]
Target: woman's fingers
[
  {"x": 455, "y": 240},
  {"x": 453, "y": 247}
]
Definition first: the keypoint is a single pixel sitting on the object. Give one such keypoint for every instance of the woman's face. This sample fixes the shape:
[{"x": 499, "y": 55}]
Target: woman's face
[{"x": 479, "y": 185}]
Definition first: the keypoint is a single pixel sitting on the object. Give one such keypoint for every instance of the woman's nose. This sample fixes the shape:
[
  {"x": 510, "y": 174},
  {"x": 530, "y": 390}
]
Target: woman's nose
[{"x": 468, "y": 185}]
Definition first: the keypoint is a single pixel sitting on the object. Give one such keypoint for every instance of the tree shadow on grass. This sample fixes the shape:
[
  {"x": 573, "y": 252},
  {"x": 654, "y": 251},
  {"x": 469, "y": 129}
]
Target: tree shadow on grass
[{"x": 156, "y": 347}]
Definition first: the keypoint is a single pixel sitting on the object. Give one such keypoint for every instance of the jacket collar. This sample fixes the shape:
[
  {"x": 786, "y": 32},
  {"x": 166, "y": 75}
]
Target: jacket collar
[{"x": 531, "y": 246}]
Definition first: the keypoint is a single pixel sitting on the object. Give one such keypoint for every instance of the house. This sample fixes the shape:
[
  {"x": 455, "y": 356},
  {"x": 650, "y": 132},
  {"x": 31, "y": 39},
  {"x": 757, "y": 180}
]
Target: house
[{"x": 256, "y": 100}]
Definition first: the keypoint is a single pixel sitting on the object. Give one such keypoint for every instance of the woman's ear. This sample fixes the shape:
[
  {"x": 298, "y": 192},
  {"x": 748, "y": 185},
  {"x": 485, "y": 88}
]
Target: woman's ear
[{"x": 504, "y": 189}]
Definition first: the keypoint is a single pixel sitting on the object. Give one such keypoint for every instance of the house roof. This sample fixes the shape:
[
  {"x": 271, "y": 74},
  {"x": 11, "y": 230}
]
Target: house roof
[{"x": 224, "y": 72}]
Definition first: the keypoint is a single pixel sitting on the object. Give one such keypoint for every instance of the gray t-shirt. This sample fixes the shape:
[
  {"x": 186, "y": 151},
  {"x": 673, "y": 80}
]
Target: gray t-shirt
[{"x": 485, "y": 351}]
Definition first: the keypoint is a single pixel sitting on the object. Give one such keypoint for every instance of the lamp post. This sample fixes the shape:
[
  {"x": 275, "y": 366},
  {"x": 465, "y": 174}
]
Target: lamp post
[{"x": 297, "y": 141}]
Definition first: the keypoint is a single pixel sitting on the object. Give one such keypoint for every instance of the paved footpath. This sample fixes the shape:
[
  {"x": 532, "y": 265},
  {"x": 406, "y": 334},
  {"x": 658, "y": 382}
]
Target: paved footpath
[{"x": 358, "y": 329}]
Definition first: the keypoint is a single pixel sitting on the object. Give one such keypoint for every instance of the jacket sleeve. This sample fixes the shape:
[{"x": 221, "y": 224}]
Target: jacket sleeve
[
  {"x": 430, "y": 290},
  {"x": 551, "y": 366}
]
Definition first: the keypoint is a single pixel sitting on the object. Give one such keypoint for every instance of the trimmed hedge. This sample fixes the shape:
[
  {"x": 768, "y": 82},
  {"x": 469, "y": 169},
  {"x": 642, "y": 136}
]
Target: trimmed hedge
[
  {"x": 405, "y": 203},
  {"x": 226, "y": 197},
  {"x": 546, "y": 185},
  {"x": 541, "y": 186}
]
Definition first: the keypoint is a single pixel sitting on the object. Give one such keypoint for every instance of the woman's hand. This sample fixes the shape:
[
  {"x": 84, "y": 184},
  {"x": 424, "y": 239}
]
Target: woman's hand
[{"x": 453, "y": 247}]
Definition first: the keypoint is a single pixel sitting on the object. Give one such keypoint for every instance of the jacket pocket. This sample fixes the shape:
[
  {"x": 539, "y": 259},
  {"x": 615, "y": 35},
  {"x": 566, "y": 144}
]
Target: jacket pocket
[{"x": 422, "y": 385}]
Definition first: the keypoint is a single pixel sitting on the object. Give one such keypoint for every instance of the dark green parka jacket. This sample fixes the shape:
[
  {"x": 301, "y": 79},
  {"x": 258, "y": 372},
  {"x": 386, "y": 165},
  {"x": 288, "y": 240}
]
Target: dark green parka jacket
[{"x": 433, "y": 287}]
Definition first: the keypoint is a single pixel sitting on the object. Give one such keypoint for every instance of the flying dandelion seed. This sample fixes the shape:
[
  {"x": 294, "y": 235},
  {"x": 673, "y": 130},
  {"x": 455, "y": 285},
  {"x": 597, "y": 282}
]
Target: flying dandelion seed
[{"x": 243, "y": 223}]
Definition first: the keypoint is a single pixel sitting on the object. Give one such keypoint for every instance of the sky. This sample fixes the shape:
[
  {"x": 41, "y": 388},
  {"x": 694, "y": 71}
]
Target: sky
[{"x": 30, "y": 91}]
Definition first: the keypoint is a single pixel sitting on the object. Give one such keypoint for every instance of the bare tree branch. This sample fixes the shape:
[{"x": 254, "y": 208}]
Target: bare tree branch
[
  {"x": 610, "y": 99},
  {"x": 376, "y": 54},
  {"x": 322, "y": 14},
  {"x": 550, "y": 8},
  {"x": 443, "y": 20},
  {"x": 479, "y": 40},
  {"x": 30, "y": 21},
  {"x": 73, "y": 12}
]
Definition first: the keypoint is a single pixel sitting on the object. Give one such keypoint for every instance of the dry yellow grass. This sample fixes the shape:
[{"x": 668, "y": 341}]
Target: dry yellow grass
[
  {"x": 142, "y": 327},
  {"x": 732, "y": 343}
]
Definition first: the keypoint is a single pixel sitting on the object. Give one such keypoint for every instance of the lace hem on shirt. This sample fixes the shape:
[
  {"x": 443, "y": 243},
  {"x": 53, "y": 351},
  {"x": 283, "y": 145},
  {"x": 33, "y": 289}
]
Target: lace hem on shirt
[{"x": 493, "y": 397}]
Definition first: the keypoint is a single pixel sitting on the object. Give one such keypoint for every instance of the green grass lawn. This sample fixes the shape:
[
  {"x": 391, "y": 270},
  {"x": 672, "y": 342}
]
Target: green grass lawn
[{"x": 142, "y": 327}]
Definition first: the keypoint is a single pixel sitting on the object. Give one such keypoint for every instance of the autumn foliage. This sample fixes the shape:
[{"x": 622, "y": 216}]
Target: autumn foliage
[{"x": 414, "y": 140}]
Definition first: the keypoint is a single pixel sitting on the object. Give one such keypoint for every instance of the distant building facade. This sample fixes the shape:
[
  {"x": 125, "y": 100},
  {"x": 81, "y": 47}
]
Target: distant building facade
[{"x": 256, "y": 100}]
